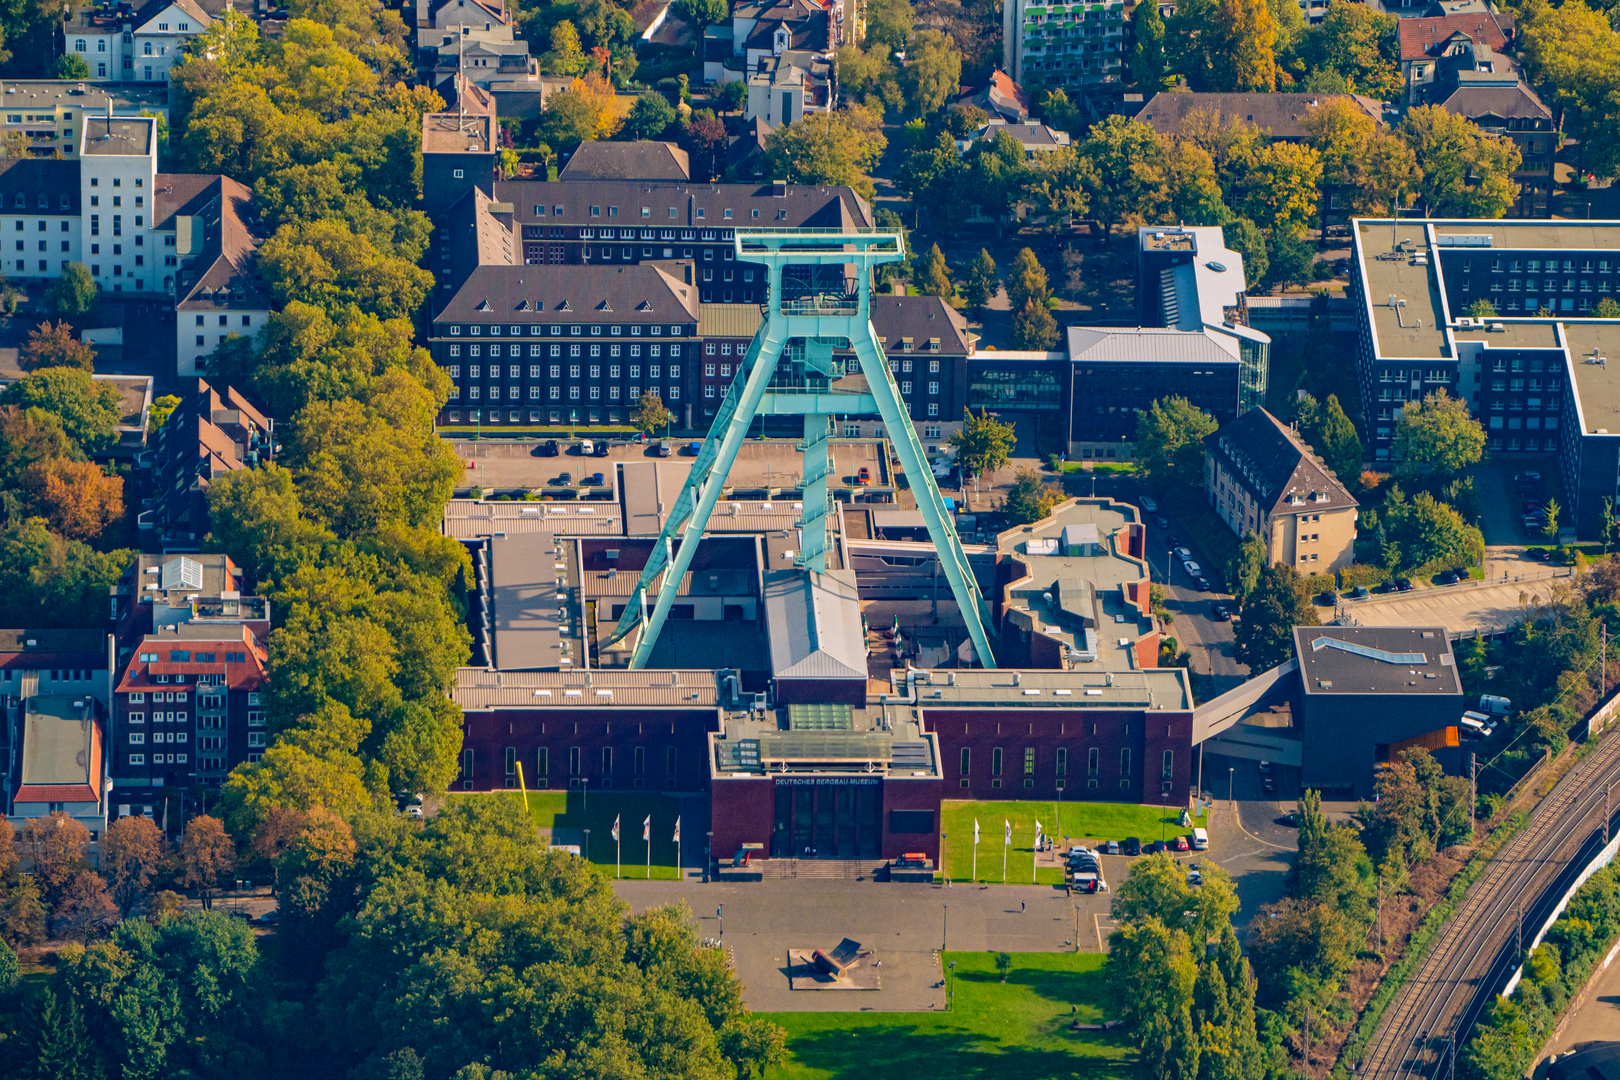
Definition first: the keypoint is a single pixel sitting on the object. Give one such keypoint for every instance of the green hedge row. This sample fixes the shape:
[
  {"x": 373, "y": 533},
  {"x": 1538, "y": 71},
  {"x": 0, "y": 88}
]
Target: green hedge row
[{"x": 1507, "y": 1041}]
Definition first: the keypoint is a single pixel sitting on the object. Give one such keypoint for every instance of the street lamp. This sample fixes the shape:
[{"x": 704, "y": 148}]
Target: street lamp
[
  {"x": 950, "y": 985},
  {"x": 1230, "y": 771},
  {"x": 945, "y": 931},
  {"x": 708, "y": 857},
  {"x": 587, "y": 845},
  {"x": 719, "y": 914}
]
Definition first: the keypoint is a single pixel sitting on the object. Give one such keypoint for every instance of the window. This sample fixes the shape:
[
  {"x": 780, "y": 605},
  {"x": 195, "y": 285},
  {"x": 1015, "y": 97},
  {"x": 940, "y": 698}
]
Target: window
[
  {"x": 1125, "y": 762},
  {"x": 995, "y": 762},
  {"x": 607, "y": 760},
  {"x": 967, "y": 758},
  {"x": 1169, "y": 764},
  {"x": 1093, "y": 761},
  {"x": 669, "y": 760},
  {"x": 137, "y": 759},
  {"x": 137, "y": 738},
  {"x": 1029, "y": 761}
]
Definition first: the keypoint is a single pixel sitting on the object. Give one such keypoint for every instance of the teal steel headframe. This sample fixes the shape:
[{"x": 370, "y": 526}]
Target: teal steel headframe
[{"x": 812, "y": 309}]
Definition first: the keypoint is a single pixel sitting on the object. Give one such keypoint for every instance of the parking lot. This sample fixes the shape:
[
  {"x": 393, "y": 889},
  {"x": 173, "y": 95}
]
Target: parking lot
[{"x": 1479, "y": 607}]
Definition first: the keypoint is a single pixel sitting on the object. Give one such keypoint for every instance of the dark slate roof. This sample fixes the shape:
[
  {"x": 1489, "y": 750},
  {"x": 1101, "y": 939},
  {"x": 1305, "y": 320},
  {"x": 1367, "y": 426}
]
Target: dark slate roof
[
  {"x": 1377, "y": 660},
  {"x": 35, "y": 177},
  {"x": 807, "y": 205},
  {"x": 1269, "y": 458},
  {"x": 1481, "y": 102},
  {"x": 919, "y": 318},
  {"x": 571, "y": 294},
  {"x": 1279, "y": 114},
  {"x": 640, "y": 160},
  {"x": 224, "y": 275}
]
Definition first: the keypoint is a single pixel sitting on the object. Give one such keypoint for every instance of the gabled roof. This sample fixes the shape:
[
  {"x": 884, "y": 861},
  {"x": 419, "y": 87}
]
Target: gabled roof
[
  {"x": 1425, "y": 37},
  {"x": 1502, "y": 102},
  {"x": 35, "y": 177},
  {"x": 535, "y": 294},
  {"x": 149, "y": 13},
  {"x": 1279, "y": 114},
  {"x": 225, "y": 275},
  {"x": 700, "y": 206},
  {"x": 643, "y": 159},
  {"x": 814, "y": 622},
  {"x": 247, "y": 674},
  {"x": 1269, "y": 459}
]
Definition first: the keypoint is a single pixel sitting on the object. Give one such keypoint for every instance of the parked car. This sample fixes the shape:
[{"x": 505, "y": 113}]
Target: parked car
[
  {"x": 564, "y": 480},
  {"x": 1179, "y": 843},
  {"x": 1359, "y": 593},
  {"x": 1192, "y": 568},
  {"x": 863, "y": 476},
  {"x": 414, "y": 812},
  {"x": 548, "y": 448},
  {"x": 597, "y": 480},
  {"x": 1148, "y": 504},
  {"x": 1492, "y": 705},
  {"x": 1183, "y": 554},
  {"x": 1132, "y": 846},
  {"x": 1402, "y": 584},
  {"x": 1220, "y": 613},
  {"x": 1539, "y": 554},
  {"x": 601, "y": 449},
  {"x": 1110, "y": 847},
  {"x": 1265, "y": 768},
  {"x": 1532, "y": 505},
  {"x": 1475, "y": 725},
  {"x": 1162, "y": 522},
  {"x": 1268, "y": 785},
  {"x": 1290, "y": 818},
  {"x": 586, "y": 448},
  {"x": 693, "y": 448},
  {"x": 663, "y": 449},
  {"x": 1202, "y": 584},
  {"x": 1195, "y": 876}
]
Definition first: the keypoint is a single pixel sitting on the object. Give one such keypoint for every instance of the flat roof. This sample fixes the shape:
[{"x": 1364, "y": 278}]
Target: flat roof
[
  {"x": 1386, "y": 265},
  {"x": 128, "y": 136},
  {"x": 482, "y": 690},
  {"x": 452, "y": 133},
  {"x": 59, "y": 742},
  {"x": 1527, "y": 334},
  {"x": 1530, "y": 235},
  {"x": 1597, "y": 385},
  {"x": 1376, "y": 660},
  {"x": 528, "y": 599},
  {"x": 1083, "y": 687}
]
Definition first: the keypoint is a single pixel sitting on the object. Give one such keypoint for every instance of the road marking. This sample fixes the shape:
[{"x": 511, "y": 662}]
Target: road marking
[{"x": 1237, "y": 816}]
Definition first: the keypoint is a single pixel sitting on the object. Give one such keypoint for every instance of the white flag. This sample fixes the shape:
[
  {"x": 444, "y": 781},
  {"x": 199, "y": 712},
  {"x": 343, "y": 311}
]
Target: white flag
[
  {"x": 615, "y": 826},
  {"x": 1006, "y": 837},
  {"x": 646, "y": 828},
  {"x": 1037, "y": 833},
  {"x": 677, "y": 830},
  {"x": 975, "y": 832}
]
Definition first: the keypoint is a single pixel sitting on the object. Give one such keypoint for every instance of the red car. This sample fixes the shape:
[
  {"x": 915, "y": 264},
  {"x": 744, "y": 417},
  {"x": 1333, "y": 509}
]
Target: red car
[{"x": 1180, "y": 844}]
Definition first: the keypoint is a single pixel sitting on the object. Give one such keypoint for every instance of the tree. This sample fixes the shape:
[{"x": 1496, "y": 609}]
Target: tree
[
  {"x": 89, "y": 411},
  {"x": 1572, "y": 50},
  {"x": 1148, "y": 75},
  {"x": 1484, "y": 309},
  {"x": 1003, "y": 964},
  {"x": 981, "y": 284},
  {"x": 1463, "y": 171},
  {"x": 825, "y": 148},
  {"x": 61, "y": 1047},
  {"x": 328, "y": 264},
  {"x": 932, "y": 76},
  {"x": 1289, "y": 258},
  {"x": 704, "y": 138},
  {"x": 1190, "y": 192},
  {"x": 648, "y": 118},
  {"x": 888, "y": 23},
  {"x": 1123, "y": 175},
  {"x": 1027, "y": 281},
  {"x": 71, "y": 66},
  {"x": 1549, "y": 529},
  {"x": 74, "y": 294},
  {"x": 1244, "y": 237},
  {"x": 1245, "y": 37},
  {"x": 75, "y": 497},
  {"x": 933, "y": 277},
  {"x": 732, "y": 95},
  {"x": 1033, "y": 328},
  {"x": 83, "y": 910},
  {"x": 206, "y": 856},
  {"x": 650, "y": 414},
  {"x": 1360, "y": 44},
  {"x": 1607, "y": 308},
  {"x": 1437, "y": 436},
  {"x": 132, "y": 851},
  {"x": 983, "y": 443},
  {"x": 9, "y": 969},
  {"x": 53, "y": 345},
  {"x": 565, "y": 57},
  {"x": 1265, "y": 637},
  {"x": 1170, "y": 438},
  {"x": 1247, "y": 564},
  {"x": 49, "y": 581},
  {"x": 258, "y": 518},
  {"x": 701, "y": 14},
  {"x": 1031, "y": 498},
  {"x": 1362, "y": 162},
  {"x": 1285, "y": 183},
  {"x": 1336, "y": 440},
  {"x": 55, "y": 844},
  {"x": 28, "y": 436}
]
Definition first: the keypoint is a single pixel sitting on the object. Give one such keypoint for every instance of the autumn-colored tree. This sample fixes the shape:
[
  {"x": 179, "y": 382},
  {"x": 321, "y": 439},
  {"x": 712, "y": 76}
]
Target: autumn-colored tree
[
  {"x": 132, "y": 850},
  {"x": 53, "y": 345},
  {"x": 207, "y": 857},
  {"x": 28, "y": 436},
  {"x": 1027, "y": 281},
  {"x": 933, "y": 277},
  {"x": 1033, "y": 328},
  {"x": 1284, "y": 187},
  {"x": 54, "y": 846},
  {"x": 1573, "y": 50},
  {"x": 83, "y": 910},
  {"x": 1244, "y": 59},
  {"x": 275, "y": 834},
  {"x": 1462, "y": 170},
  {"x": 75, "y": 497}
]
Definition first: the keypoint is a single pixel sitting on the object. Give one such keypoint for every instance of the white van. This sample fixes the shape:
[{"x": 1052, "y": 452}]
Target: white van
[
  {"x": 1200, "y": 840},
  {"x": 1148, "y": 504},
  {"x": 1474, "y": 725},
  {"x": 1495, "y": 706}
]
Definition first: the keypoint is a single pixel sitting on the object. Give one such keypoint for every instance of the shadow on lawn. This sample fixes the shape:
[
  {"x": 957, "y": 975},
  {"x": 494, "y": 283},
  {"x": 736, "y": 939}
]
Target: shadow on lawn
[
  {"x": 1064, "y": 987},
  {"x": 902, "y": 1051}
]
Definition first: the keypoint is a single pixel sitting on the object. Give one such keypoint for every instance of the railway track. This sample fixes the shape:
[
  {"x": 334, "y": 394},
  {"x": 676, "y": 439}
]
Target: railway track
[{"x": 1427, "y": 1024}]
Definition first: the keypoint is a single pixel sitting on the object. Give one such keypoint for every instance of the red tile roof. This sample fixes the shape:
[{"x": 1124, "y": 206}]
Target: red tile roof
[
  {"x": 1418, "y": 36},
  {"x": 49, "y": 793},
  {"x": 248, "y": 674}
]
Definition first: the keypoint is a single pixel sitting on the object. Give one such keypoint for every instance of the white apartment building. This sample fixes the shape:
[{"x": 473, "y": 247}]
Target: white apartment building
[{"x": 128, "y": 44}]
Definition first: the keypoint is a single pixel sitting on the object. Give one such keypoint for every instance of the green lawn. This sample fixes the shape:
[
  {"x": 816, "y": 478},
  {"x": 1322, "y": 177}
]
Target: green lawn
[
  {"x": 1017, "y": 1030},
  {"x": 1081, "y": 821},
  {"x": 566, "y": 810}
]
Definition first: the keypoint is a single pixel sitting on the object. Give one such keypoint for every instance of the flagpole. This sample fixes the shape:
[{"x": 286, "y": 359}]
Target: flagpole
[
  {"x": 680, "y": 874},
  {"x": 646, "y": 835},
  {"x": 975, "y": 849},
  {"x": 618, "y": 857}
]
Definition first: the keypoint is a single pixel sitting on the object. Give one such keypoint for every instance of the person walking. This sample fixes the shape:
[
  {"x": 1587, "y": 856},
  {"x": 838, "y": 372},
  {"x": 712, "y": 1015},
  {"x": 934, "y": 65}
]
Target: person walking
[{"x": 1021, "y": 906}]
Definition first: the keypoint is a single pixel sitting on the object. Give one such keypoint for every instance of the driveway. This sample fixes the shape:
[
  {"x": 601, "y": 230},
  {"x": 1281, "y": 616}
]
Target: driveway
[{"x": 1485, "y": 607}]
